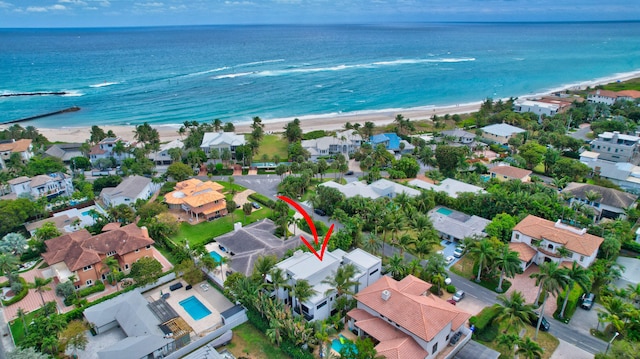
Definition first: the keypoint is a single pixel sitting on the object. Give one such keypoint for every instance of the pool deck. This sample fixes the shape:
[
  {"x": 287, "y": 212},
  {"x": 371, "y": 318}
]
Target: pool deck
[
  {"x": 213, "y": 246},
  {"x": 345, "y": 333}
]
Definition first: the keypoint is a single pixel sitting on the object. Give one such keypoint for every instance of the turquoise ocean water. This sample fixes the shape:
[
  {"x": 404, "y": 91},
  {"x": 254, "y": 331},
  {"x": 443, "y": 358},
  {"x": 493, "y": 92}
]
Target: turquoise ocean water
[{"x": 167, "y": 75}]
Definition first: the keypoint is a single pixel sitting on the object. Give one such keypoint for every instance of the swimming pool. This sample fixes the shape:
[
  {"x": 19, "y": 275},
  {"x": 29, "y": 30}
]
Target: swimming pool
[
  {"x": 339, "y": 342},
  {"x": 216, "y": 256},
  {"x": 445, "y": 211},
  {"x": 195, "y": 308}
]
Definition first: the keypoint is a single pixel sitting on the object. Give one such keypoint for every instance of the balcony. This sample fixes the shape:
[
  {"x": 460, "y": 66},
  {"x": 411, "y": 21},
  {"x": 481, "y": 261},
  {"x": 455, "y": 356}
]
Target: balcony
[{"x": 306, "y": 316}]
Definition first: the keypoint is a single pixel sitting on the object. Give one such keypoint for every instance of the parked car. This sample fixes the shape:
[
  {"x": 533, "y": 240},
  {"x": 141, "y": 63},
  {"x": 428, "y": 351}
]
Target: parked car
[
  {"x": 458, "y": 295},
  {"x": 458, "y": 252},
  {"x": 320, "y": 212},
  {"x": 455, "y": 338},
  {"x": 449, "y": 260},
  {"x": 349, "y": 173},
  {"x": 586, "y": 301},
  {"x": 451, "y": 301},
  {"x": 255, "y": 205},
  {"x": 544, "y": 324},
  {"x": 447, "y": 281}
]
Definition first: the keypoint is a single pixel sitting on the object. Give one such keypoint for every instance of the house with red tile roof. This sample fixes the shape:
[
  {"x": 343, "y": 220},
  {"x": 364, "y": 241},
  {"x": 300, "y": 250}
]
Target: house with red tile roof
[
  {"x": 506, "y": 173},
  {"x": 9, "y": 147},
  {"x": 547, "y": 237},
  {"x": 405, "y": 320},
  {"x": 80, "y": 253},
  {"x": 199, "y": 199},
  {"x": 611, "y": 97}
]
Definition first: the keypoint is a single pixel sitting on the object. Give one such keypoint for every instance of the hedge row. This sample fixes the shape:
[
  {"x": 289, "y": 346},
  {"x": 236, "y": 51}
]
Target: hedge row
[
  {"x": 572, "y": 304},
  {"x": 77, "y": 312},
  {"x": 485, "y": 330},
  {"x": 20, "y": 295},
  {"x": 287, "y": 347},
  {"x": 98, "y": 287},
  {"x": 631, "y": 246},
  {"x": 263, "y": 200}
]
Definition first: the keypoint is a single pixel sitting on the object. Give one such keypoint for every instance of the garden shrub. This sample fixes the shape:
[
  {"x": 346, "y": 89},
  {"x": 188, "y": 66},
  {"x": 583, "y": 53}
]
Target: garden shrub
[
  {"x": 20, "y": 295},
  {"x": 263, "y": 200},
  {"x": 572, "y": 304},
  {"x": 451, "y": 288},
  {"x": 98, "y": 287},
  {"x": 485, "y": 330}
]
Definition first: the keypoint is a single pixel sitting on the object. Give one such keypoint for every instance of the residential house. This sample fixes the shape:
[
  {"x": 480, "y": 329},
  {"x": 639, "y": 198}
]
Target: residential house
[
  {"x": 63, "y": 223},
  {"x": 221, "y": 141},
  {"x": 539, "y": 108},
  {"x": 500, "y": 133},
  {"x": 162, "y": 157},
  {"x": 611, "y": 97},
  {"x": 304, "y": 265},
  {"x": 247, "y": 244},
  {"x": 392, "y": 142},
  {"x": 459, "y": 136},
  {"x": 449, "y": 186},
  {"x": 624, "y": 174},
  {"x": 610, "y": 203},
  {"x": 405, "y": 321},
  {"x": 455, "y": 226},
  {"x": 616, "y": 147},
  {"x": 151, "y": 330},
  {"x": 65, "y": 152},
  {"x": 8, "y": 147},
  {"x": 346, "y": 143},
  {"x": 105, "y": 149},
  {"x": 49, "y": 186},
  {"x": 377, "y": 189},
  {"x": 129, "y": 191},
  {"x": 81, "y": 254},
  {"x": 199, "y": 199},
  {"x": 547, "y": 237},
  {"x": 506, "y": 173}
]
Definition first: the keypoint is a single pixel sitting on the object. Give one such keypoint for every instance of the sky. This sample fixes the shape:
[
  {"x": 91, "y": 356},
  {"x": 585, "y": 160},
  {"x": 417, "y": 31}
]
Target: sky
[{"x": 117, "y": 13}]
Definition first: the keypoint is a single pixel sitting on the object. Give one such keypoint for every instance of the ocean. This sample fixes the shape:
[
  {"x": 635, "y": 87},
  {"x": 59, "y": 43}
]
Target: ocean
[{"x": 168, "y": 75}]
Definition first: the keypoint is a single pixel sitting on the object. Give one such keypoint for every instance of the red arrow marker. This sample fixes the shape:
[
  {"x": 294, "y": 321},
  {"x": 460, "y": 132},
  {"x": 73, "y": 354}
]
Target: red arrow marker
[{"x": 307, "y": 218}]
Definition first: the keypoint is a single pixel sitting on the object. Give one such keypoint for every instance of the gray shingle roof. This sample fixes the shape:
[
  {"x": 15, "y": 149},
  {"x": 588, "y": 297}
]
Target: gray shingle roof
[
  {"x": 502, "y": 129},
  {"x": 130, "y": 187},
  {"x": 609, "y": 196}
]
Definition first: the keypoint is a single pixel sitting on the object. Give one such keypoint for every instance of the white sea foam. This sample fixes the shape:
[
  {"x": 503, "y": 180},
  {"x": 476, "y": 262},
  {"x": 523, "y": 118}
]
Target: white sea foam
[
  {"x": 72, "y": 93},
  {"x": 104, "y": 84},
  {"x": 260, "y": 62},
  {"x": 206, "y": 72},
  {"x": 231, "y": 76}
]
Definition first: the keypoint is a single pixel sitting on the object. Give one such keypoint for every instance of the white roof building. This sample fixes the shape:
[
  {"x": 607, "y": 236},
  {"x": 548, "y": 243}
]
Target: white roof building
[
  {"x": 379, "y": 188},
  {"x": 450, "y": 186},
  {"x": 221, "y": 140},
  {"x": 454, "y": 225}
]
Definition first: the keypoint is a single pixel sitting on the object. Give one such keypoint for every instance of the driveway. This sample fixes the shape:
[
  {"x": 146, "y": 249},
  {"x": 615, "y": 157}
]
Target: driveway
[
  {"x": 566, "y": 350},
  {"x": 584, "y": 320},
  {"x": 527, "y": 286}
]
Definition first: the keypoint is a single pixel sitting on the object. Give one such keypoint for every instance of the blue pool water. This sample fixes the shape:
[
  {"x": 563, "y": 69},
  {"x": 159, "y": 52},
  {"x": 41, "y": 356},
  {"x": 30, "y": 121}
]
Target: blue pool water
[
  {"x": 337, "y": 345},
  {"x": 444, "y": 211},
  {"x": 216, "y": 256},
  {"x": 195, "y": 308}
]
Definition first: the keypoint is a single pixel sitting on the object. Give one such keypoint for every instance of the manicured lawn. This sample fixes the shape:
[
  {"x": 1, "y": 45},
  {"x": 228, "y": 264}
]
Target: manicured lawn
[
  {"x": 17, "y": 329},
  {"x": 204, "y": 232},
  {"x": 272, "y": 145},
  {"x": 464, "y": 268},
  {"x": 249, "y": 342},
  {"x": 227, "y": 186},
  {"x": 547, "y": 341}
]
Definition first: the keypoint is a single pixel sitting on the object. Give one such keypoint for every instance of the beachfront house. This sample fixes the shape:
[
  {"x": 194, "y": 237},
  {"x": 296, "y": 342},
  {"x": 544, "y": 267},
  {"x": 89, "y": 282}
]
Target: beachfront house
[
  {"x": 108, "y": 148},
  {"x": 8, "y": 147},
  {"x": 81, "y": 254},
  {"x": 49, "y": 186},
  {"x": 392, "y": 142},
  {"x": 605, "y": 202},
  {"x": 500, "y": 133},
  {"x": 222, "y": 141},
  {"x": 455, "y": 226},
  {"x": 458, "y": 136},
  {"x": 616, "y": 147},
  {"x": 304, "y": 265},
  {"x": 610, "y": 97},
  {"x": 377, "y": 189},
  {"x": 65, "y": 152},
  {"x": 507, "y": 173},
  {"x": 404, "y": 320},
  {"x": 129, "y": 191},
  {"x": 200, "y": 200},
  {"x": 345, "y": 142},
  {"x": 162, "y": 156},
  {"x": 539, "y": 108},
  {"x": 547, "y": 237}
]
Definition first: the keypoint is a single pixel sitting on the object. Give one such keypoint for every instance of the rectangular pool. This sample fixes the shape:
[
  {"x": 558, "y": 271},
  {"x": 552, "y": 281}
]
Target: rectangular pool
[
  {"x": 216, "y": 256},
  {"x": 195, "y": 308},
  {"x": 339, "y": 342},
  {"x": 445, "y": 211}
]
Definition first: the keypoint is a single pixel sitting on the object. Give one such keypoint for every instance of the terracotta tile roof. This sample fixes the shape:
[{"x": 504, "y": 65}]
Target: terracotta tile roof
[
  {"x": 509, "y": 171},
  {"x": 423, "y": 315},
  {"x": 80, "y": 249},
  {"x": 202, "y": 198},
  {"x": 111, "y": 226},
  {"x": 630, "y": 93},
  {"x": 195, "y": 193},
  {"x": 17, "y": 146},
  {"x": 525, "y": 253},
  {"x": 401, "y": 348},
  {"x": 96, "y": 150},
  {"x": 604, "y": 93},
  {"x": 572, "y": 238},
  {"x": 359, "y": 314},
  {"x": 379, "y": 329}
]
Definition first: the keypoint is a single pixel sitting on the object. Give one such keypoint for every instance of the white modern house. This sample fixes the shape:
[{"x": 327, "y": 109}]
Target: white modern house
[
  {"x": 304, "y": 265},
  {"x": 539, "y": 108},
  {"x": 129, "y": 191},
  {"x": 610, "y": 203},
  {"x": 222, "y": 141},
  {"x": 9, "y": 147},
  {"x": 377, "y": 189},
  {"x": 449, "y": 186},
  {"x": 500, "y": 133},
  {"x": 455, "y": 226},
  {"x": 546, "y": 237},
  {"x": 50, "y": 186},
  {"x": 611, "y": 97},
  {"x": 345, "y": 142},
  {"x": 616, "y": 147},
  {"x": 162, "y": 157},
  {"x": 105, "y": 149},
  {"x": 624, "y": 174}
]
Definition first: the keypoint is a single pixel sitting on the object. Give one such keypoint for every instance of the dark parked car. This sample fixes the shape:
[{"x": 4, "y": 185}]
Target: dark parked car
[
  {"x": 455, "y": 338},
  {"x": 544, "y": 324},
  {"x": 320, "y": 212},
  {"x": 349, "y": 173},
  {"x": 586, "y": 301},
  {"x": 255, "y": 205}
]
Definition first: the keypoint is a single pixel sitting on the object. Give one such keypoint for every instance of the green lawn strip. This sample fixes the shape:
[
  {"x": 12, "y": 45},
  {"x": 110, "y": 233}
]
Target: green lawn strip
[
  {"x": 227, "y": 186},
  {"x": 272, "y": 145},
  {"x": 17, "y": 329},
  {"x": 464, "y": 268},
  {"x": 254, "y": 344}
]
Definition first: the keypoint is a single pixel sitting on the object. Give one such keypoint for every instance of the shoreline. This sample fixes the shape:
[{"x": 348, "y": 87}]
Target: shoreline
[{"x": 327, "y": 122}]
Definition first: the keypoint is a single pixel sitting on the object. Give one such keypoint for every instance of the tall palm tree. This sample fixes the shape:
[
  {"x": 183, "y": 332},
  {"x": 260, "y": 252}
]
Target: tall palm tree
[
  {"x": 550, "y": 279},
  {"x": 396, "y": 267},
  {"x": 303, "y": 291},
  {"x": 110, "y": 265},
  {"x": 514, "y": 311},
  {"x": 342, "y": 280},
  {"x": 41, "y": 285},
  {"x": 577, "y": 275},
  {"x": 371, "y": 244},
  {"x": 322, "y": 332},
  {"x": 278, "y": 280},
  {"x": 509, "y": 264},
  {"x": 22, "y": 315},
  {"x": 529, "y": 349},
  {"x": 8, "y": 263},
  {"x": 508, "y": 340},
  {"x": 483, "y": 251},
  {"x": 263, "y": 266}
]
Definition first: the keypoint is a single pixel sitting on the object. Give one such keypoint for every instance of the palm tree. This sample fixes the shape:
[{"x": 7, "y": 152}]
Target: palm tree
[
  {"x": 322, "y": 332},
  {"x": 8, "y": 263},
  {"x": 22, "y": 315},
  {"x": 483, "y": 251},
  {"x": 514, "y": 311},
  {"x": 371, "y": 244},
  {"x": 396, "y": 267},
  {"x": 577, "y": 275},
  {"x": 221, "y": 262},
  {"x": 529, "y": 349},
  {"x": 508, "y": 340},
  {"x": 342, "y": 280},
  {"x": 41, "y": 285},
  {"x": 303, "y": 291},
  {"x": 263, "y": 266},
  {"x": 509, "y": 262},
  {"x": 278, "y": 280},
  {"x": 550, "y": 279},
  {"x": 111, "y": 265}
]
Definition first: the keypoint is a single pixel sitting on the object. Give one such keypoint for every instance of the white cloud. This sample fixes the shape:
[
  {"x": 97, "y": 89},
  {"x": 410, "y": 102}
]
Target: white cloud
[
  {"x": 75, "y": 2},
  {"x": 57, "y": 7},
  {"x": 5, "y": 5},
  {"x": 37, "y": 9},
  {"x": 239, "y": 3},
  {"x": 105, "y": 3},
  {"x": 149, "y": 4}
]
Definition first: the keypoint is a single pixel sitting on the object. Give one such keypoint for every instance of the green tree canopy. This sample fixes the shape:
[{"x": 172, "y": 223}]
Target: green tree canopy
[
  {"x": 179, "y": 171},
  {"x": 146, "y": 270}
]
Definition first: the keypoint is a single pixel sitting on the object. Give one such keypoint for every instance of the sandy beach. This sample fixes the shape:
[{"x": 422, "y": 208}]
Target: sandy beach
[{"x": 312, "y": 123}]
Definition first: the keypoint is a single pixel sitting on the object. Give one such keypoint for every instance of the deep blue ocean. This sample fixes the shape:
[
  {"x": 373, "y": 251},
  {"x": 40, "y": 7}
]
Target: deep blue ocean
[{"x": 167, "y": 75}]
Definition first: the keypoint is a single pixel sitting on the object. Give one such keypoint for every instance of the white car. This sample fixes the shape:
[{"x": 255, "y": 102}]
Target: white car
[
  {"x": 449, "y": 260},
  {"x": 458, "y": 252}
]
